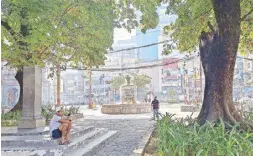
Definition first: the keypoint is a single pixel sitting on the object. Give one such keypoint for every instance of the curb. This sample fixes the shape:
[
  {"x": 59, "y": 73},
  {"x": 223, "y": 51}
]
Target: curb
[{"x": 140, "y": 151}]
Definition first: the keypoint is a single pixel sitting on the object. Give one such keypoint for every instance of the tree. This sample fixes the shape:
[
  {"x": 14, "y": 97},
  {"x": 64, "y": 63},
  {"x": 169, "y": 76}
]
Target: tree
[
  {"x": 217, "y": 26},
  {"x": 139, "y": 81},
  {"x": 116, "y": 82},
  {"x": 171, "y": 93},
  {"x": 35, "y": 32}
]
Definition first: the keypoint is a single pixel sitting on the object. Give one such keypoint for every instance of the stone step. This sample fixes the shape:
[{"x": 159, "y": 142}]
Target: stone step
[
  {"x": 13, "y": 131},
  {"x": 40, "y": 140},
  {"x": 76, "y": 143},
  {"x": 91, "y": 148},
  {"x": 85, "y": 139}
]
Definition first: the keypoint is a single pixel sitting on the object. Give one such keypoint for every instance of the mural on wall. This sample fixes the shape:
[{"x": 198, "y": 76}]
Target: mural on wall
[{"x": 10, "y": 95}]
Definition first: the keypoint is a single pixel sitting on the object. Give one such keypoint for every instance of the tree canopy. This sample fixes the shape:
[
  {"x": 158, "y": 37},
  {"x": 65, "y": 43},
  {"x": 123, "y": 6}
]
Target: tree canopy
[
  {"x": 192, "y": 18},
  {"x": 139, "y": 81},
  {"x": 35, "y": 32}
]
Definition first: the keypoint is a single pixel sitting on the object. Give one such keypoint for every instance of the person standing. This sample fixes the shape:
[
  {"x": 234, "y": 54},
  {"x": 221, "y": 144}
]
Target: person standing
[{"x": 155, "y": 104}]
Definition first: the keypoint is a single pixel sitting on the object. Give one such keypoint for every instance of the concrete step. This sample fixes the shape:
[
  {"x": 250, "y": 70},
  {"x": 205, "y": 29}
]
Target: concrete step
[
  {"x": 91, "y": 148},
  {"x": 77, "y": 142},
  {"x": 13, "y": 131},
  {"x": 40, "y": 140},
  {"x": 85, "y": 139}
]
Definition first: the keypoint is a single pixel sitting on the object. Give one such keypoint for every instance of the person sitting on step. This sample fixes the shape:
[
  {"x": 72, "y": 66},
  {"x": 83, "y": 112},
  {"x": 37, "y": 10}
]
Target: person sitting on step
[{"x": 60, "y": 128}]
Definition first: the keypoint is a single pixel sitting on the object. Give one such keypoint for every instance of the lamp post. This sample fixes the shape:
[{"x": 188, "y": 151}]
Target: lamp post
[
  {"x": 58, "y": 75},
  {"x": 102, "y": 77},
  {"x": 90, "y": 90}
]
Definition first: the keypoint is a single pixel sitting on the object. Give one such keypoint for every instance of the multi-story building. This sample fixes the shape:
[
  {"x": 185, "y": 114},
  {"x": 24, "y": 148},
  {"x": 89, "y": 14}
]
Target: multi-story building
[
  {"x": 243, "y": 78},
  {"x": 72, "y": 86},
  {"x": 170, "y": 84}
]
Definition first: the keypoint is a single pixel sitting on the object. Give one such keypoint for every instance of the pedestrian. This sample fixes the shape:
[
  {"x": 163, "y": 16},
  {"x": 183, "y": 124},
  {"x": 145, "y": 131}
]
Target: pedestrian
[{"x": 155, "y": 104}]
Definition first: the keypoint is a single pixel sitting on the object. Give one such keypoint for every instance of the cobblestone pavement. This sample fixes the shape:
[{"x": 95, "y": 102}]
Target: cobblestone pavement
[{"x": 130, "y": 134}]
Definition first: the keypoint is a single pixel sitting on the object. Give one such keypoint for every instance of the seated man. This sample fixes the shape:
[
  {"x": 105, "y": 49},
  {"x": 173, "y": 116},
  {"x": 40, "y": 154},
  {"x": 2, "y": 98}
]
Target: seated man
[{"x": 60, "y": 128}]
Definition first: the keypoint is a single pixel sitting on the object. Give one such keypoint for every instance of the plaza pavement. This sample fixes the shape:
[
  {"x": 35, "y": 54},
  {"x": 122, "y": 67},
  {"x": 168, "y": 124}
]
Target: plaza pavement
[
  {"x": 133, "y": 130},
  {"x": 170, "y": 108}
]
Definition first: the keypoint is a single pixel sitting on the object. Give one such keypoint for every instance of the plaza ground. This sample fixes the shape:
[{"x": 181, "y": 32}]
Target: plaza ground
[{"x": 133, "y": 130}]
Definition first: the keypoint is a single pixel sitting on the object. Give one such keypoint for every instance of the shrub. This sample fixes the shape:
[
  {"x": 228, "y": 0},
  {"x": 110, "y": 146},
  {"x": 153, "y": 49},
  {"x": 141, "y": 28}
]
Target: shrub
[
  {"x": 172, "y": 100},
  {"x": 49, "y": 110},
  {"x": 175, "y": 137},
  {"x": 10, "y": 118},
  {"x": 12, "y": 115}
]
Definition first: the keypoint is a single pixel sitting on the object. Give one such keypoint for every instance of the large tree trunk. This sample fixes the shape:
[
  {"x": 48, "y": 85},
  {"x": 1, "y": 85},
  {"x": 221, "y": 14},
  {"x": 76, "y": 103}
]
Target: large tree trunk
[
  {"x": 19, "y": 78},
  {"x": 218, "y": 50}
]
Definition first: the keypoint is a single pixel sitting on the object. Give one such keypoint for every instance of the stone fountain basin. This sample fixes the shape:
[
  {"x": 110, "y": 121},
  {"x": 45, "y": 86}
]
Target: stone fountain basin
[{"x": 126, "y": 109}]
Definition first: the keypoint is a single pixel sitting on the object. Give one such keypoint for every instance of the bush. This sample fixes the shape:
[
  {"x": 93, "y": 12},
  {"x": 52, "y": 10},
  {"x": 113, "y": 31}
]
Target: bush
[
  {"x": 49, "y": 110},
  {"x": 175, "y": 137},
  {"x": 17, "y": 115},
  {"x": 172, "y": 100},
  {"x": 10, "y": 118}
]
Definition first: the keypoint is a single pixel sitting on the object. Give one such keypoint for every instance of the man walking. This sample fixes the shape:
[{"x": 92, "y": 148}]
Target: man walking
[{"x": 155, "y": 104}]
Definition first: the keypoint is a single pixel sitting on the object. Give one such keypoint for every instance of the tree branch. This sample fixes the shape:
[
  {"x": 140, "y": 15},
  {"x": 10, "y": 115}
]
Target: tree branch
[
  {"x": 248, "y": 19},
  {"x": 7, "y": 27},
  {"x": 246, "y": 15},
  {"x": 210, "y": 26}
]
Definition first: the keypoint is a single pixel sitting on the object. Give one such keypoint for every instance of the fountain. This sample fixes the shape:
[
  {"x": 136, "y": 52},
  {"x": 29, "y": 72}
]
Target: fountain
[{"x": 128, "y": 94}]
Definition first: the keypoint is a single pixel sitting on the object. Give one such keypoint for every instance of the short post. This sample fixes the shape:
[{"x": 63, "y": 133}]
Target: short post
[{"x": 32, "y": 89}]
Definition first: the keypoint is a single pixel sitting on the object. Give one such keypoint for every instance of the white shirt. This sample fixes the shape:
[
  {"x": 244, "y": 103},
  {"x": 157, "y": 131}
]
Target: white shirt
[{"x": 54, "y": 123}]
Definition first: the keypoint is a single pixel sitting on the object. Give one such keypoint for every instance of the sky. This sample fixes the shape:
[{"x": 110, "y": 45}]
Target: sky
[{"x": 122, "y": 34}]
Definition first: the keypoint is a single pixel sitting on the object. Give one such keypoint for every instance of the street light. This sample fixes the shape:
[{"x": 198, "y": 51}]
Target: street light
[{"x": 102, "y": 77}]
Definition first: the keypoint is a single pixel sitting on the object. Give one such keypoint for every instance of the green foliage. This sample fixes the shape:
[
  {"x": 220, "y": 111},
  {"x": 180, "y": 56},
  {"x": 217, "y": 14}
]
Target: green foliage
[
  {"x": 61, "y": 31},
  {"x": 248, "y": 116},
  {"x": 138, "y": 80},
  {"x": 246, "y": 40},
  {"x": 126, "y": 14},
  {"x": 175, "y": 137},
  {"x": 118, "y": 81},
  {"x": 192, "y": 17},
  {"x": 10, "y": 119},
  {"x": 172, "y": 93},
  {"x": 12, "y": 115},
  {"x": 49, "y": 110},
  {"x": 141, "y": 80},
  {"x": 172, "y": 101}
]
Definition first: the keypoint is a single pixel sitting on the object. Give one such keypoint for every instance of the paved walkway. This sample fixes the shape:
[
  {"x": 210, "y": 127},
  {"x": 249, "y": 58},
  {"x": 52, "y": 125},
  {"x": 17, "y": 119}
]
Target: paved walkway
[
  {"x": 132, "y": 130},
  {"x": 131, "y": 135},
  {"x": 96, "y": 114}
]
